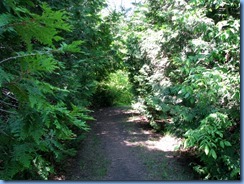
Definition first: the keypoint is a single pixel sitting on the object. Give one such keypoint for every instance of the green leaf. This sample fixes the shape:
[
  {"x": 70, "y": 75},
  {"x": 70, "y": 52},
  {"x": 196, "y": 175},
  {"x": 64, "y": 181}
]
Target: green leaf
[
  {"x": 227, "y": 143},
  {"x": 206, "y": 150},
  {"x": 73, "y": 47},
  {"x": 213, "y": 153},
  {"x": 187, "y": 95},
  {"x": 222, "y": 144}
]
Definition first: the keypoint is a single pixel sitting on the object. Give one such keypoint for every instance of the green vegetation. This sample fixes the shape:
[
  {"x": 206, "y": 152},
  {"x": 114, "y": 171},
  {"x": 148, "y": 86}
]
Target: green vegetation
[
  {"x": 184, "y": 58},
  {"x": 114, "y": 91},
  {"x": 50, "y": 65},
  {"x": 60, "y": 58}
]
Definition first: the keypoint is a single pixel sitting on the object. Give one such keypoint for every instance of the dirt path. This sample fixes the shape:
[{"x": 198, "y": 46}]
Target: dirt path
[{"x": 120, "y": 147}]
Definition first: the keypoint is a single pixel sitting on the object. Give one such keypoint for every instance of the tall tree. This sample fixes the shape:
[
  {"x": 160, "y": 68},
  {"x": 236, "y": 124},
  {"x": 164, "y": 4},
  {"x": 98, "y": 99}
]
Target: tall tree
[{"x": 52, "y": 55}]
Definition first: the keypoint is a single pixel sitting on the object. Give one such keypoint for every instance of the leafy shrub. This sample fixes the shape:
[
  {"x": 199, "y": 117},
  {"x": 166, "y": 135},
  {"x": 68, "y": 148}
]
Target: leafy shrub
[
  {"x": 183, "y": 59},
  {"x": 215, "y": 150}
]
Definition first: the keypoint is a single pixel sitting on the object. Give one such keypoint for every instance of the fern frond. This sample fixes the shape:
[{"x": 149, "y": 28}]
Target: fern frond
[
  {"x": 73, "y": 47},
  {"x": 5, "y": 77},
  {"x": 43, "y": 28},
  {"x": 5, "y": 19},
  {"x": 23, "y": 154}
]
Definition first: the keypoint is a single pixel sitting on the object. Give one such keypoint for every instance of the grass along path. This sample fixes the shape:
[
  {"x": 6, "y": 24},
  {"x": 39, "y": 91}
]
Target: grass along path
[{"x": 121, "y": 147}]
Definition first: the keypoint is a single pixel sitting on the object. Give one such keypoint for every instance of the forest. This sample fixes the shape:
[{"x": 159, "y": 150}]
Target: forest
[{"x": 176, "y": 61}]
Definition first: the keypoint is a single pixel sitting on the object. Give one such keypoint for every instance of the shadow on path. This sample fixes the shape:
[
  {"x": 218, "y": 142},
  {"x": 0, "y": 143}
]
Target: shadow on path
[{"x": 120, "y": 147}]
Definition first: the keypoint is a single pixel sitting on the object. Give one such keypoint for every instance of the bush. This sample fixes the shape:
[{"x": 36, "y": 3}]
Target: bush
[{"x": 183, "y": 59}]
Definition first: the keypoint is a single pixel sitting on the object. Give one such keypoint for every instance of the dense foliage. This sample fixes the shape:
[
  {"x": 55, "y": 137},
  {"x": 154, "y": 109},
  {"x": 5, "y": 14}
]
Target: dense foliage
[
  {"x": 53, "y": 54},
  {"x": 184, "y": 58}
]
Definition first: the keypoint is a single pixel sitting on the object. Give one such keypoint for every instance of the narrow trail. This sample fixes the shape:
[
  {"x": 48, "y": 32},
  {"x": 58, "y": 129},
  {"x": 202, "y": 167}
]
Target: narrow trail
[{"x": 121, "y": 147}]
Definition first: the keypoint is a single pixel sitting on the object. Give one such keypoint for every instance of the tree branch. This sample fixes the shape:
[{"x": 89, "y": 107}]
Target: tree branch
[
  {"x": 5, "y": 92},
  {"x": 8, "y": 104},
  {"x": 7, "y": 111},
  {"x": 16, "y": 57},
  {"x": 26, "y": 55}
]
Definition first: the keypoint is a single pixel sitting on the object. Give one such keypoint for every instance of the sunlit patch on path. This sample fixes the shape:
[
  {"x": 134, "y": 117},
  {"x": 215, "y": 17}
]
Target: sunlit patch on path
[{"x": 166, "y": 143}]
